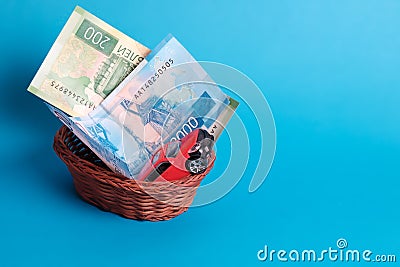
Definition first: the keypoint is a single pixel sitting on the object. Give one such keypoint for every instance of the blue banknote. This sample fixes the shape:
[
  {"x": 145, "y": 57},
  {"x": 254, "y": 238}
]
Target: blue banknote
[{"x": 163, "y": 99}]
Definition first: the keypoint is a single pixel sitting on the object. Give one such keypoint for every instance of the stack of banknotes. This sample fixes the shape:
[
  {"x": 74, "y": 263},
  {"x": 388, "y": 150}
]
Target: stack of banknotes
[{"x": 122, "y": 101}]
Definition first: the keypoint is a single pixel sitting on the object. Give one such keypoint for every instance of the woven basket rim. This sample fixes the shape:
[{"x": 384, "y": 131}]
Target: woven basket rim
[{"x": 62, "y": 150}]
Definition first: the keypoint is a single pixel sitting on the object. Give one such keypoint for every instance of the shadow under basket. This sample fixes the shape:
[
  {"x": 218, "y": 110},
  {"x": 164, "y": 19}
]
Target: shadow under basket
[{"x": 109, "y": 191}]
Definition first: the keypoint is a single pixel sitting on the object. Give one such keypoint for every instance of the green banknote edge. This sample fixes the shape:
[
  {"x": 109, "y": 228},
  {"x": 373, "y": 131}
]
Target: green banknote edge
[{"x": 79, "y": 10}]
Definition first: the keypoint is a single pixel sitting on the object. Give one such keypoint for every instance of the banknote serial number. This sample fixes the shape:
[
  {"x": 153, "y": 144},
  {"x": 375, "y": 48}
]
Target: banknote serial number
[
  {"x": 159, "y": 72},
  {"x": 153, "y": 78},
  {"x": 67, "y": 92}
]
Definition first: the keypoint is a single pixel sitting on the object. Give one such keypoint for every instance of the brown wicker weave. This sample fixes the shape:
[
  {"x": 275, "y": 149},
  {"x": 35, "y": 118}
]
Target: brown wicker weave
[{"x": 99, "y": 186}]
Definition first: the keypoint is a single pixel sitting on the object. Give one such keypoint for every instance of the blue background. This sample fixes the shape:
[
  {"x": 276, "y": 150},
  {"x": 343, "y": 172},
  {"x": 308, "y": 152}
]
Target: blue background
[{"x": 330, "y": 72}]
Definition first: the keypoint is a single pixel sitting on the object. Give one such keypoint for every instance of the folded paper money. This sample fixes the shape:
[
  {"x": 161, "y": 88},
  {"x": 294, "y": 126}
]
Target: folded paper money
[
  {"x": 87, "y": 62},
  {"x": 163, "y": 99}
]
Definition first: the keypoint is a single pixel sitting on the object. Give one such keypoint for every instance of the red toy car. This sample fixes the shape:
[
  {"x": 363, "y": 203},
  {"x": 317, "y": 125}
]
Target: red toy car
[{"x": 177, "y": 159}]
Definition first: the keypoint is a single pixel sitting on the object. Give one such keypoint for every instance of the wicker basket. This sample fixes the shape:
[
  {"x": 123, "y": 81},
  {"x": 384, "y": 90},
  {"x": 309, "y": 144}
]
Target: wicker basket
[{"x": 99, "y": 186}]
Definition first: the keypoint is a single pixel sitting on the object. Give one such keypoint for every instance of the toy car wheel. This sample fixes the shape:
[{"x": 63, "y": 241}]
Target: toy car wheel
[{"x": 196, "y": 166}]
